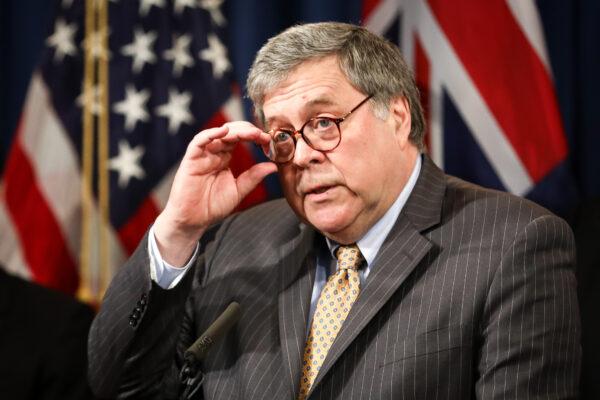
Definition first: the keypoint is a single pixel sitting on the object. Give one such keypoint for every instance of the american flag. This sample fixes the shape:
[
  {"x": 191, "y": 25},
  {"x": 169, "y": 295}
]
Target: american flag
[
  {"x": 167, "y": 75},
  {"x": 482, "y": 67}
]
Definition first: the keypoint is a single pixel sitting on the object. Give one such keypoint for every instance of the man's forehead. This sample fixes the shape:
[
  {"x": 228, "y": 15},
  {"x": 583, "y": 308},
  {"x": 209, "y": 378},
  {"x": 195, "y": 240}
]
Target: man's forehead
[{"x": 303, "y": 106}]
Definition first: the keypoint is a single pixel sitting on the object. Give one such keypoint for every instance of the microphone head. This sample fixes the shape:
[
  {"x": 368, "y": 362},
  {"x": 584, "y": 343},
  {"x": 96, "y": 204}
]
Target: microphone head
[{"x": 198, "y": 350}]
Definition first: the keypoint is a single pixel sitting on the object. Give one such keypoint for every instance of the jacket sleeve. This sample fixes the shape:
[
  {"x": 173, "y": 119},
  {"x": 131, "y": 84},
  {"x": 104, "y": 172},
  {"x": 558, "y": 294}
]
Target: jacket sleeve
[
  {"x": 132, "y": 341},
  {"x": 531, "y": 329}
]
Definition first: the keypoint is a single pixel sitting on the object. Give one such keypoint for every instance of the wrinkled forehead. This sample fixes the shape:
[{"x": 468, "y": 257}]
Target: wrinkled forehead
[
  {"x": 273, "y": 80},
  {"x": 311, "y": 87}
]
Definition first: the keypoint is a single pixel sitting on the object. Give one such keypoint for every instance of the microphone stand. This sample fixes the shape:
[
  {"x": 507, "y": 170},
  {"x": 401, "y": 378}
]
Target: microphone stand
[{"x": 191, "y": 377}]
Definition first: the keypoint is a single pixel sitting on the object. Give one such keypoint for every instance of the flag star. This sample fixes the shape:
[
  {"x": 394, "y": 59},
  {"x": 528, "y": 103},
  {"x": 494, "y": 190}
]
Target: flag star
[
  {"x": 127, "y": 163},
  {"x": 62, "y": 39},
  {"x": 133, "y": 107},
  {"x": 180, "y": 54},
  {"x": 216, "y": 54},
  {"x": 176, "y": 110},
  {"x": 213, "y": 7},
  {"x": 146, "y": 4},
  {"x": 95, "y": 44},
  {"x": 140, "y": 49},
  {"x": 181, "y": 4},
  {"x": 91, "y": 99}
]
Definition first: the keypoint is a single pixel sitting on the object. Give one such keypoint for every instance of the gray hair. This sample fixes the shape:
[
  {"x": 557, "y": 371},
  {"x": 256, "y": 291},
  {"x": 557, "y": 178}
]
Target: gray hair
[{"x": 372, "y": 65}]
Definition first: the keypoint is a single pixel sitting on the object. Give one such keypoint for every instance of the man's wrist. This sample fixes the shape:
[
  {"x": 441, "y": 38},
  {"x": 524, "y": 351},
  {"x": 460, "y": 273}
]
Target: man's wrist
[{"x": 175, "y": 244}]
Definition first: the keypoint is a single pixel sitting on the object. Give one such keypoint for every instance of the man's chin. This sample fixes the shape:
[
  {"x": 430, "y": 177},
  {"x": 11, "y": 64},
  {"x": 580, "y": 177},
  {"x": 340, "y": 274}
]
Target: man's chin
[{"x": 331, "y": 225}]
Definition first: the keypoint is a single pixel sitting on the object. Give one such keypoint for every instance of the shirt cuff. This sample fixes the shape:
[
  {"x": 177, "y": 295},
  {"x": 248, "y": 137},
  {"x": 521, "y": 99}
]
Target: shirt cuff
[{"x": 161, "y": 272}]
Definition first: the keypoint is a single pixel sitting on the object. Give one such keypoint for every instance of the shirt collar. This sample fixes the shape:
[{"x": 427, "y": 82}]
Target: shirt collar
[{"x": 371, "y": 242}]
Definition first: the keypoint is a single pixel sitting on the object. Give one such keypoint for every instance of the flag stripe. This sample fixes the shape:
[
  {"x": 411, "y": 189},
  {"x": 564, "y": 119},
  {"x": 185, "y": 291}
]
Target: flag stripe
[
  {"x": 368, "y": 7},
  {"x": 527, "y": 16},
  {"x": 132, "y": 232},
  {"x": 54, "y": 160},
  {"x": 510, "y": 77},
  {"x": 448, "y": 74},
  {"x": 10, "y": 247},
  {"x": 378, "y": 17},
  {"x": 422, "y": 77},
  {"x": 40, "y": 236}
]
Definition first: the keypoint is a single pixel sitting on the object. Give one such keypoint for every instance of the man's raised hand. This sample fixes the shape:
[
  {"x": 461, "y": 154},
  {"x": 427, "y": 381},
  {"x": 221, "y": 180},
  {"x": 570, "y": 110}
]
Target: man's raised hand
[{"x": 204, "y": 190}]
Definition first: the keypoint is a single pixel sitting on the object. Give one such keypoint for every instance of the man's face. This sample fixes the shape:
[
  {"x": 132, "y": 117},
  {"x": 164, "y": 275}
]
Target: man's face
[{"x": 342, "y": 192}]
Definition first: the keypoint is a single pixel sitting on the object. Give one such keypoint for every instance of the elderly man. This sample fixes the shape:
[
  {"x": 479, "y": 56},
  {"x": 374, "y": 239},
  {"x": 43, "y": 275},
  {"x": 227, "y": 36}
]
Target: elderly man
[{"x": 377, "y": 277}]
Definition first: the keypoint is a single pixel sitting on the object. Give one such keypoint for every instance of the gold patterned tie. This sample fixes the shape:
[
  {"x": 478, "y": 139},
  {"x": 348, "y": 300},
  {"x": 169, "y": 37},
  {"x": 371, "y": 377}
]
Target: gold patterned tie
[{"x": 336, "y": 299}]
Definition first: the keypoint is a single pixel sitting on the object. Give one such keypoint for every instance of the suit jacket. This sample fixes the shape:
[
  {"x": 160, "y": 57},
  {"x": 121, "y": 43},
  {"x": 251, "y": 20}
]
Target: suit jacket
[
  {"x": 472, "y": 295},
  {"x": 42, "y": 343}
]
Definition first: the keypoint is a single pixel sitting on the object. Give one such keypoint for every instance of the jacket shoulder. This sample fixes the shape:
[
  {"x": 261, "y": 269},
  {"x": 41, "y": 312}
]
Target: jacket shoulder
[{"x": 460, "y": 194}]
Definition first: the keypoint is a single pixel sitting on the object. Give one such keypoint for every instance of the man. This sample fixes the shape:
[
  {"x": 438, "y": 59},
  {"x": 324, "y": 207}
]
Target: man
[
  {"x": 43, "y": 338},
  {"x": 442, "y": 289}
]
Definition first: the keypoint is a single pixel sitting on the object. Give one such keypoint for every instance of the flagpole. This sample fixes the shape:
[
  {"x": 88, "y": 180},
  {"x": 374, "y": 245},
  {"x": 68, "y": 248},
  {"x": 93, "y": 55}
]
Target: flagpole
[
  {"x": 103, "y": 151},
  {"x": 85, "y": 291}
]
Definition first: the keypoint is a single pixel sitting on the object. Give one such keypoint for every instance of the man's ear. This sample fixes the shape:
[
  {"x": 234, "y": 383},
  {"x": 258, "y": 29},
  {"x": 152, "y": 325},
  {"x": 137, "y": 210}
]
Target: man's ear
[{"x": 400, "y": 113}]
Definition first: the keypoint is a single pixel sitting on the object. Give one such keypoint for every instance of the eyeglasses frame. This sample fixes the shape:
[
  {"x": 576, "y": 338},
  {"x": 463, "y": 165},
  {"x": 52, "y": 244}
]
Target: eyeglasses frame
[{"x": 300, "y": 132}]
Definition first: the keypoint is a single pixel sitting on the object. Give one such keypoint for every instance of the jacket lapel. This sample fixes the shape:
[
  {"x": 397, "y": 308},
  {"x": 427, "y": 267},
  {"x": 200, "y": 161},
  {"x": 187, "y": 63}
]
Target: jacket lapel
[
  {"x": 297, "y": 273},
  {"x": 400, "y": 253}
]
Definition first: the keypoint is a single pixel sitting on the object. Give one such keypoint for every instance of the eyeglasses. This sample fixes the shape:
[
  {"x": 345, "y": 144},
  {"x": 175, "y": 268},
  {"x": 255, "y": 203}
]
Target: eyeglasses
[{"x": 320, "y": 133}]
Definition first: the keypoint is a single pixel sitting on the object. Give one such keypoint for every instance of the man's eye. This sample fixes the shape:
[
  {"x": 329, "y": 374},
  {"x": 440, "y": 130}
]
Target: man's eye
[
  {"x": 322, "y": 123},
  {"x": 281, "y": 136}
]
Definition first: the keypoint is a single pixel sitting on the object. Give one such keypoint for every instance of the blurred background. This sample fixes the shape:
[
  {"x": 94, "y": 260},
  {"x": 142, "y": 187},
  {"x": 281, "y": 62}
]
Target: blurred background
[{"x": 100, "y": 98}]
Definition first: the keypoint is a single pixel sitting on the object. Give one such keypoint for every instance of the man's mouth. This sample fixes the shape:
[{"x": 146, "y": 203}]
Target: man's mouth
[{"x": 319, "y": 190}]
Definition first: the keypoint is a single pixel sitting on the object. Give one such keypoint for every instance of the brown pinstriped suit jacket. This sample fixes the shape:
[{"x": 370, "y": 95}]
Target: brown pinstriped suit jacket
[{"x": 472, "y": 295}]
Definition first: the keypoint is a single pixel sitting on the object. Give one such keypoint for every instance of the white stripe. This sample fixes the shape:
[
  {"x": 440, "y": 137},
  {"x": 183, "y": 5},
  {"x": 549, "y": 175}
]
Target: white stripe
[
  {"x": 160, "y": 194},
  {"x": 53, "y": 159},
  {"x": 528, "y": 18},
  {"x": 11, "y": 256},
  {"x": 436, "y": 115},
  {"x": 233, "y": 110},
  {"x": 383, "y": 16},
  {"x": 56, "y": 166},
  {"x": 478, "y": 117}
]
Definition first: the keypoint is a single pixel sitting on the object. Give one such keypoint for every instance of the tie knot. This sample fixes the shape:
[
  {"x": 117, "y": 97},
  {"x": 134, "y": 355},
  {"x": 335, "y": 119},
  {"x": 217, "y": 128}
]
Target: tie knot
[{"x": 349, "y": 257}]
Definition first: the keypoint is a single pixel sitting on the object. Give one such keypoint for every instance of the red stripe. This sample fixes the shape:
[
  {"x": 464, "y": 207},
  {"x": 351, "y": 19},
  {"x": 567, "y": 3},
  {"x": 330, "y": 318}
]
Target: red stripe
[
  {"x": 132, "y": 232},
  {"x": 422, "y": 77},
  {"x": 368, "y": 6},
  {"x": 42, "y": 241},
  {"x": 510, "y": 77}
]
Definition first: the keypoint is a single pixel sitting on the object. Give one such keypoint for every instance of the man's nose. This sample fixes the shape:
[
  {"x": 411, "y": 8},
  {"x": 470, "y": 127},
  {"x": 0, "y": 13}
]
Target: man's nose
[{"x": 304, "y": 154}]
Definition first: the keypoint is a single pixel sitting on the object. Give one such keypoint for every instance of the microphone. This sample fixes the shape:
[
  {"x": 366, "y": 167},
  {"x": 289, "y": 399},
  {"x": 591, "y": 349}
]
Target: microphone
[
  {"x": 198, "y": 350},
  {"x": 190, "y": 375}
]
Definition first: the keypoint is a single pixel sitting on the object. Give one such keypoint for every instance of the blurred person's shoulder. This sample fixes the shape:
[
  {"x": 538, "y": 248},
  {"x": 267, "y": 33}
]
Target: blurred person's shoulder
[{"x": 31, "y": 298}]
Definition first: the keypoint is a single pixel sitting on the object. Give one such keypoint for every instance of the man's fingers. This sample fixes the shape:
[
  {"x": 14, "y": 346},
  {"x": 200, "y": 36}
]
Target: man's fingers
[
  {"x": 250, "y": 178},
  {"x": 248, "y": 134},
  {"x": 224, "y": 138},
  {"x": 197, "y": 145},
  {"x": 220, "y": 146}
]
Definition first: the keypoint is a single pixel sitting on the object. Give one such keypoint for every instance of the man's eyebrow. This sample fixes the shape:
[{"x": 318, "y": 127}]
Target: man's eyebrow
[
  {"x": 307, "y": 109},
  {"x": 320, "y": 102}
]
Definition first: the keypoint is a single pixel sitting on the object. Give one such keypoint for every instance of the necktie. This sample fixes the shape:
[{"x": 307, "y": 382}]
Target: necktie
[{"x": 336, "y": 299}]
